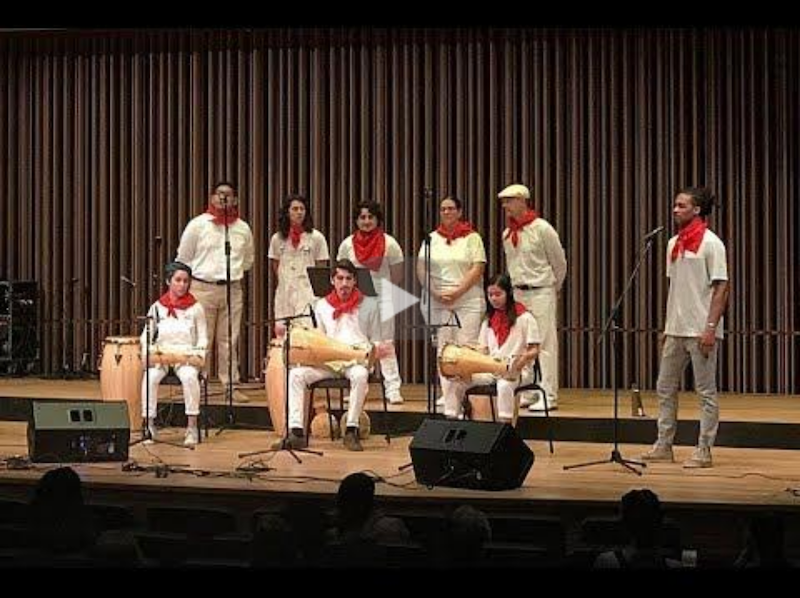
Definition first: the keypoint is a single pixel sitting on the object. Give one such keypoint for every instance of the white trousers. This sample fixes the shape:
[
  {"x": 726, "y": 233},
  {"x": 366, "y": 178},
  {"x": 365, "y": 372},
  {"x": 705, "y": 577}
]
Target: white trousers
[
  {"x": 299, "y": 379},
  {"x": 542, "y": 304},
  {"x": 454, "y": 395},
  {"x": 188, "y": 375}
]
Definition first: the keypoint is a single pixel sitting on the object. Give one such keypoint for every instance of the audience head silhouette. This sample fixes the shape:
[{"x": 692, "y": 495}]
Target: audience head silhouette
[
  {"x": 642, "y": 517},
  {"x": 355, "y": 500}
]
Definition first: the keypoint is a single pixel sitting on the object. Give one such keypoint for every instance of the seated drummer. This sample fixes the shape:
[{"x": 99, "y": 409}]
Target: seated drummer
[
  {"x": 177, "y": 325},
  {"x": 508, "y": 332},
  {"x": 347, "y": 316}
]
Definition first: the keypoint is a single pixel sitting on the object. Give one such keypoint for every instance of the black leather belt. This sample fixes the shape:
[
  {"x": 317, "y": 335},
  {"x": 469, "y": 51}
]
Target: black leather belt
[
  {"x": 216, "y": 282},
  {"x": 526, "y": 287}
]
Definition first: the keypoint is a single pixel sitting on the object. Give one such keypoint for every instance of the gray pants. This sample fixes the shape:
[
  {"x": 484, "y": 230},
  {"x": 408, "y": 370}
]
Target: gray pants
[{"x": 675, "y": 356}]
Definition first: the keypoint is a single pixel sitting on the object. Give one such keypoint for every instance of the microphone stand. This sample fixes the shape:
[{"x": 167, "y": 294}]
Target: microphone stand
[
  {"x": 431, "y": 336},
  {"x": 612, "y": 325},
  {"x": 230, "y": 422},
  {"x": 284, "y": 445},
  {"x": 431, "y": 330},
  {"x": 434, "y": 335}
]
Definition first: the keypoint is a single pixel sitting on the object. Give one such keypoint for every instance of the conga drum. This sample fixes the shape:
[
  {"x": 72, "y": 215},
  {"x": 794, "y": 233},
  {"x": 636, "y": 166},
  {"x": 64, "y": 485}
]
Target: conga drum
[
  {"x": 274, "y": 386},
  {"x": 121, "y": 375}
]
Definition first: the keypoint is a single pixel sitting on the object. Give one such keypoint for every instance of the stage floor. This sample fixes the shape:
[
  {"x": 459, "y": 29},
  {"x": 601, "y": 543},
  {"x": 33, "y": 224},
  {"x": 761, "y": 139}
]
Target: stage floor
[
  {"x": 573, "y": 402},
  {"x": 755, "y": 477},
  {"x": 711, "y": 505},
  {"x": 740, "y": 476}
]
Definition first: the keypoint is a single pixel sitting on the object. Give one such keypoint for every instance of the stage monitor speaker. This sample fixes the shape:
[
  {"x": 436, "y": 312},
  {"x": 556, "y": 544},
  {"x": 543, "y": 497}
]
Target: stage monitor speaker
[
  {"x": 72, "y": 432},
  {"x": 470, "y": 454}
]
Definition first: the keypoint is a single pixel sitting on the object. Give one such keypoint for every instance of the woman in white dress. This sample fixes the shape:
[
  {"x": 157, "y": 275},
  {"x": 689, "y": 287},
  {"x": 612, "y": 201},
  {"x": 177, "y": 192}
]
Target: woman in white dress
[{"x": 296, "y": 246}]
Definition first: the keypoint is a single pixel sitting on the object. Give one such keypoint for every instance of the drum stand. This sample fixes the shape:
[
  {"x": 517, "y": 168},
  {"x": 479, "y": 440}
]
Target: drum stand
[{"x": 284, "y": 445}]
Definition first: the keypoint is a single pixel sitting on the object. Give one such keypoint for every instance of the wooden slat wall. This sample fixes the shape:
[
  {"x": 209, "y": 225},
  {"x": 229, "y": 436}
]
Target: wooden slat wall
[{"x": 109, "y": 142}]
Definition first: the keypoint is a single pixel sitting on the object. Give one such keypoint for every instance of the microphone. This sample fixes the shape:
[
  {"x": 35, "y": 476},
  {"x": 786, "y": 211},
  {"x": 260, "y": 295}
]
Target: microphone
[
  {"x": 312, "y": 315},
  {"x": 652, "y": 233},
  {"x": 128, "y": 280}
]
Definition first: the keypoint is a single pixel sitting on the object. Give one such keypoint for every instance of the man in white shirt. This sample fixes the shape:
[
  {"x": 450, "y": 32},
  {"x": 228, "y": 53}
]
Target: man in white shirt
[
  {"x": 202, "y": 247},
  {"x": 347, "y": 316},
  {"x": 536, "y": 262},
  {"x": 698, "y": 293}
]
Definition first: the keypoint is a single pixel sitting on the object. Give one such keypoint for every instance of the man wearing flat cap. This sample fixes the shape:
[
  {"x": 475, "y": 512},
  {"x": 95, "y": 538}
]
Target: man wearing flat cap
[{"x": 536, "y": 262}]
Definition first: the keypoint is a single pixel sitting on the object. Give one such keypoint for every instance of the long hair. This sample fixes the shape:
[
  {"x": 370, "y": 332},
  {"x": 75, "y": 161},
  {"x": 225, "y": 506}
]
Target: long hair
[
  {"x": 503, "y": 281},
  {"x": 283, "y": 218}
]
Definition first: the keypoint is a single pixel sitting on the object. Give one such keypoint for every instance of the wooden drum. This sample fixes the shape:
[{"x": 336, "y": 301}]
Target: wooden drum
[{"x": 121, "y": 375}]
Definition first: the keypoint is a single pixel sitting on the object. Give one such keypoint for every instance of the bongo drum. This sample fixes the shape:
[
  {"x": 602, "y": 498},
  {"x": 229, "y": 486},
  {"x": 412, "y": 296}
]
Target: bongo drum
[{"x": 456, "y": 361}]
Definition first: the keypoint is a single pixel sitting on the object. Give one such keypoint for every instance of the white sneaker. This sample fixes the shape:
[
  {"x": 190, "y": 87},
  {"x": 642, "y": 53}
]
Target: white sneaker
[
  {"x": 395, "y": 399},
  {"x": 539, "y": 405},
  {"x": 191, "y": 437},
  {"x": 528, "y": 398},
  {"x": 440, "y": 402}
]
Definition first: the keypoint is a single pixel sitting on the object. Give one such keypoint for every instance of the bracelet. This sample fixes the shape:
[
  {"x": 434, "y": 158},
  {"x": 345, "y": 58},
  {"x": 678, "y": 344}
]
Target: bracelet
[{"x": 711, "y": 325}]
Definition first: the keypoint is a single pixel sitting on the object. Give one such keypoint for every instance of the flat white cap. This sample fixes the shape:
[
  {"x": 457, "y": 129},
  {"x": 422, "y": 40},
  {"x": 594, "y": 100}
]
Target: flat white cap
[{"x": 515, "y": 191}]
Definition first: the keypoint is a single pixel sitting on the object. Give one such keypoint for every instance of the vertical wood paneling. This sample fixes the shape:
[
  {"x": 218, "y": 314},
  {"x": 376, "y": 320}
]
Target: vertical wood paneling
[{"x": 110, "y": 142}]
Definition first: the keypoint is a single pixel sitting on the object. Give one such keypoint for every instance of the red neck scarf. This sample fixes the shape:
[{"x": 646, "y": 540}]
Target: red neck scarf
[
  {"x": 515, "y": 225},
  {"x": 184, "y": 302},
  {"x": 219, "y": 214},
  {"x": 370, "y": 247},
  {"x": 499, "y": 323},
  {"x": 343, "y": 307},
  {"x": 461, "y": 229},
  {"x": 295, "y": 232},
  {"x": 689, "y": 237}
]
